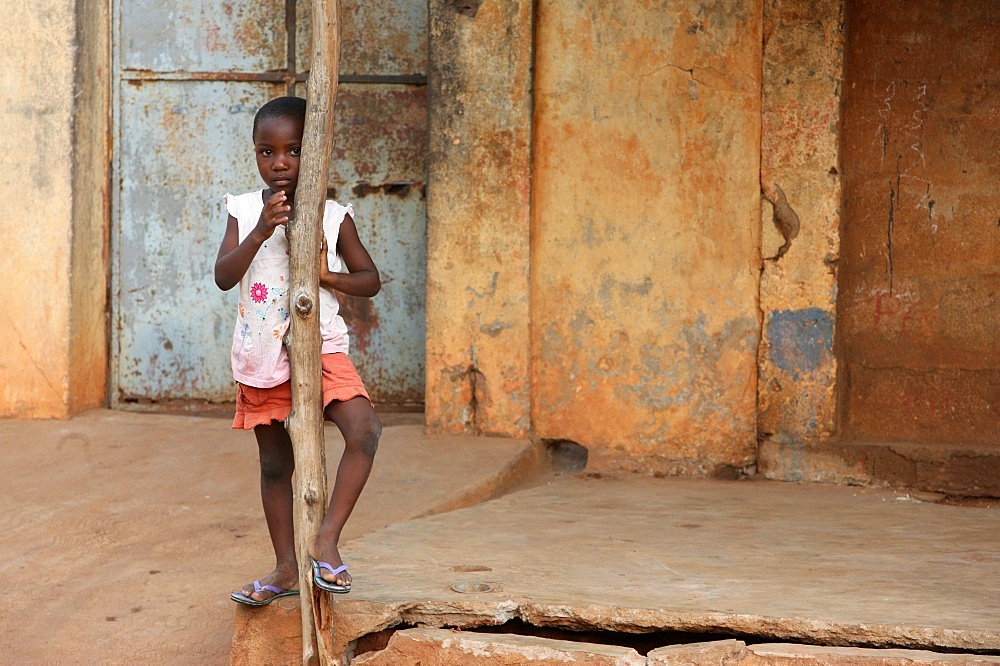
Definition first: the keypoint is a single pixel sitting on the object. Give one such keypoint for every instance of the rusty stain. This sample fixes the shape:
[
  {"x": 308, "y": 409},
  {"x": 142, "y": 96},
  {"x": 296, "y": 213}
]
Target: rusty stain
[
  {"x": 401, "y": 190},
  {"x": 362, "y": 320},
  {"x": 401, "y": 47},
  {"x": 467, "y": 7}
]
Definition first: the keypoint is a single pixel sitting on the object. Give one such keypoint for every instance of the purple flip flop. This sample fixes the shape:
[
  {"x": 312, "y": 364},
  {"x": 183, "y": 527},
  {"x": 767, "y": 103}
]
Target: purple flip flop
[
  {"x": 324, "y": 584},
  {"x": 241, "y": 598}
]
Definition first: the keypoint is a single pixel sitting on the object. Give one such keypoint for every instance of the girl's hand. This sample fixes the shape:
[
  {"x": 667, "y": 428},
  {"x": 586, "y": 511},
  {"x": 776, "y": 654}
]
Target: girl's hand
[
  {"x": 277, "y": 211},
  {"x": 362, "y": 278},
  {"x": 325, "y": 276}
]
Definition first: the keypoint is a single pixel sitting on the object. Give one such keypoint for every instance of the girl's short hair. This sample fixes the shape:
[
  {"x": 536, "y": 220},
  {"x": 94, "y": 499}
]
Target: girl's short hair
[{"x": 281, "y": 107}]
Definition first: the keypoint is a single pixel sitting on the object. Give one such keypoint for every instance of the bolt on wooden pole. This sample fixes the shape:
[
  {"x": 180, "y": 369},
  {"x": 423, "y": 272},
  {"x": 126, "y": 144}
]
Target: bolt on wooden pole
[{"x": 305, "y": 423}]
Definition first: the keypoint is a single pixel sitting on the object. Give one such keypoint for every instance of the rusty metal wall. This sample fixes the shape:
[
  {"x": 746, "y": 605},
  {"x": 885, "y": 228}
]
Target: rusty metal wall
[{"x": 190, "y": 74}]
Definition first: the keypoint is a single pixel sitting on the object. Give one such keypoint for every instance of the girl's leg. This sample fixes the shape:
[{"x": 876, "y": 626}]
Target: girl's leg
[
  {"x": 277, "y": 463},
  {"x": 361, "y": 429}
]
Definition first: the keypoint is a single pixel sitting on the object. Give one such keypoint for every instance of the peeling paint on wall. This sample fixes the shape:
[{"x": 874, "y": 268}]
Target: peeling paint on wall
[{"x": 800, "y": 341}]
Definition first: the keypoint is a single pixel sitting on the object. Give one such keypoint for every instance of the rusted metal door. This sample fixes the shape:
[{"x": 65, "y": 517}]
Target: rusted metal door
[{"x": 190, "y": 74}]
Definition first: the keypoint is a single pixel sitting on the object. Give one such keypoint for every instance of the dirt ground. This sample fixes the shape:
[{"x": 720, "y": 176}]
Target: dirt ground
[{"x": 125, "y": 533}]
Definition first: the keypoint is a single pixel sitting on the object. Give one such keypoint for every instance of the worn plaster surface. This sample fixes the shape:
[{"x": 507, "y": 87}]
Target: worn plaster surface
[
  {"x": 800, "y": 182},
  {"x": 921, "y": 248},
  {"x": 36, "y": 122},
  {"x": 646, "y": 225},
  {"x": 478, "y": 208}
]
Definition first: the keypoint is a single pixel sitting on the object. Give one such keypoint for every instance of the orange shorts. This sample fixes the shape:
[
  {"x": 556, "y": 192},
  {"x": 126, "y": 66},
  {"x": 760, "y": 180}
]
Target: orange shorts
[{"x": 259, "y": 406}]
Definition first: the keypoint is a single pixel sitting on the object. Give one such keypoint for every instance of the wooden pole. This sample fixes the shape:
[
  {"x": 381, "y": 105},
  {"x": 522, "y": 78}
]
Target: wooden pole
[{"x": 305, "y": 423}]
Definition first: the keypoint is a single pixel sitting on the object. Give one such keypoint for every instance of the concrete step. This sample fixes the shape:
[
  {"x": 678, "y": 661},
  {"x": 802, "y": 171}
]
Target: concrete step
[{"x": 967, "y": 470}]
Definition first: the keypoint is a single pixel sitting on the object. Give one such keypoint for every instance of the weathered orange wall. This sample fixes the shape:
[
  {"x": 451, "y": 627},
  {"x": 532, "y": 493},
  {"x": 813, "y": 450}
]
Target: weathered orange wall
[
  {"x": 54, "y": 118},
  {"x": 91, "y": 214},
  {"x": 646, "y": 231},
  {"x": 800, "y": 180},
  {"x": 920, "y": 269},
  {"x": 478, "y": 209}
]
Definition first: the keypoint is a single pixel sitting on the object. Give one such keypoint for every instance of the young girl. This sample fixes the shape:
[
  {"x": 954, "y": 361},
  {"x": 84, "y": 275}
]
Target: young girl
[{"x": 254, "y": 254}]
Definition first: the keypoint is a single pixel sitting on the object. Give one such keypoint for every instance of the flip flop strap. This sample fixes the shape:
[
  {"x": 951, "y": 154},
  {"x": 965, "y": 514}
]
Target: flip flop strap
[
  {"x": 257, "y": 587},
  {"x": 326, "y": 565}
]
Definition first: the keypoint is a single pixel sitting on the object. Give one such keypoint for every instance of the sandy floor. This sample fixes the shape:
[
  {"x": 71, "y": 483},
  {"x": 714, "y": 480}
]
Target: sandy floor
[{"x": 125, "y": 533}]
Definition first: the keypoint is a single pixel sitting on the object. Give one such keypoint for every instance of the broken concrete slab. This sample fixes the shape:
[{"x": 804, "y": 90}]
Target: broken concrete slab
[
  {"x": 738, "y": 653},
  {"x": 269, "y": 634},
  {"x": 455, "y": 648},
  {"x": 784, "y": 654},
  {"x": 446, "y": 647},
  {"x": 830, "y": 565},
  {"x": 722, "y": 653}
]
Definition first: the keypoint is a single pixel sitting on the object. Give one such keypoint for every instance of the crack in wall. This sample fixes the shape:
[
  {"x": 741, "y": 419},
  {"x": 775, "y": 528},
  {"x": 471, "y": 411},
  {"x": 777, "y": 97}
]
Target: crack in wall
[
  {"x": 477, "y": 391},
  {"x": 41, "y": 373},
  {"x": 893, "y": 194}
]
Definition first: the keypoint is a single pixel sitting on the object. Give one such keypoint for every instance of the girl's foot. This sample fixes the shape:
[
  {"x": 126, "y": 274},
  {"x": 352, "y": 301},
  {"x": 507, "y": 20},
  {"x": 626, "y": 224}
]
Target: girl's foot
[
  {"x": 278, "y": 578},
  {"x": 332, "y": 557}
]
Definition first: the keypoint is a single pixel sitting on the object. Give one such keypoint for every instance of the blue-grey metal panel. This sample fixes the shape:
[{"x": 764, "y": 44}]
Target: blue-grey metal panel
[
  {"x": 203, "y": 35},
  {"x": 380, "y": 135},
  {"x": 388, "y": 332},
  {"x": 183, "y": 125},
  {"x": 387, "y": 37},
  {"x": 182, "y": 145},
  {"x": 379, "y": 153},
  {"x": 378, "y": 164}
]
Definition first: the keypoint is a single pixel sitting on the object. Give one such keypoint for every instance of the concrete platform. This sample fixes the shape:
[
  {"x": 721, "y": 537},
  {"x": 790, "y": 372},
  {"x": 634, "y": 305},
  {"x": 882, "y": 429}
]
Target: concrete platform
[{"x": 835, "y": 566}]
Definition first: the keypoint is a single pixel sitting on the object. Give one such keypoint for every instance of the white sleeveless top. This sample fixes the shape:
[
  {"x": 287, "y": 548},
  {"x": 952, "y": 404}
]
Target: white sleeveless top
[{"x": 259, "y": 355}]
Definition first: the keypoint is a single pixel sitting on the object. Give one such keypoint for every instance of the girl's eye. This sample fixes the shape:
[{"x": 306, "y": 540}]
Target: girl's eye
[
  {"x": 296, "y": 151},
  {"x": 266, "y": 152}
]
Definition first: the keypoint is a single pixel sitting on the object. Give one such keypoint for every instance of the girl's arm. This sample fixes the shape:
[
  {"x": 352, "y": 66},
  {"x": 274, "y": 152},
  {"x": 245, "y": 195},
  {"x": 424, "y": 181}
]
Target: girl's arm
[
  {"x": 234, "y": 257},
  {"x": 363, "y": 279}
]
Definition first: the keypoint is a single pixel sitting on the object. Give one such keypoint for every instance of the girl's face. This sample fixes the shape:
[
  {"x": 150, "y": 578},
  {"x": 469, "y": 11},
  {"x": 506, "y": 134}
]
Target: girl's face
[{"x": 277, "y": 145}]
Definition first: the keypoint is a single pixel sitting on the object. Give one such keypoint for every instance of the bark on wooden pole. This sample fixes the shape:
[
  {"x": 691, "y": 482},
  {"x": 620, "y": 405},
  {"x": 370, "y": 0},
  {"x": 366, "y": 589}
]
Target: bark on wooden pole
[{"x": 305, "y": 423}]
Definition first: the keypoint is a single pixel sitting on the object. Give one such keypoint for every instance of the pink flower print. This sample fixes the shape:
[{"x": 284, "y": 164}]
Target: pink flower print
[{"x": 258, "y": 292}]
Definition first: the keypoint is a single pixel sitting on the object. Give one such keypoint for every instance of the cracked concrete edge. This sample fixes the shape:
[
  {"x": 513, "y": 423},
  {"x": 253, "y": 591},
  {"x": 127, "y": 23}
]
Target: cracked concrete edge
[
  {"x": 444, "y": 646},
  {"x": 529, "y": 463},
  {"x": 422, "y": 644},
  {"x": 815, "y": 631},
  {"x": 356, "y": 619}
]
